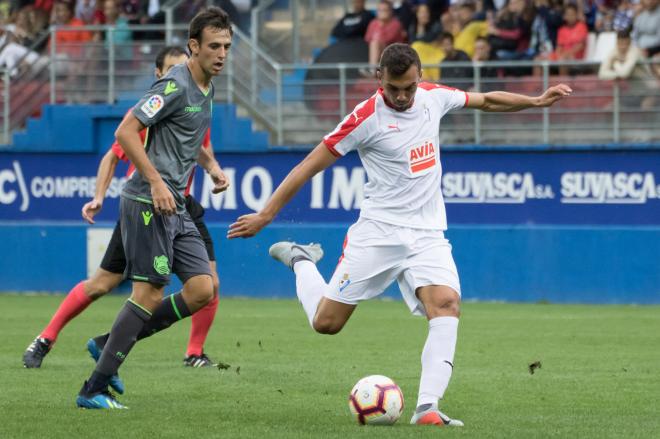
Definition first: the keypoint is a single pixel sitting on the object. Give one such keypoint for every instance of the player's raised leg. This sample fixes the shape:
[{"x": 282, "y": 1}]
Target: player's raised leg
[
  {"x": 442, "y": 305},
  {"x": 325, "y": 316}
]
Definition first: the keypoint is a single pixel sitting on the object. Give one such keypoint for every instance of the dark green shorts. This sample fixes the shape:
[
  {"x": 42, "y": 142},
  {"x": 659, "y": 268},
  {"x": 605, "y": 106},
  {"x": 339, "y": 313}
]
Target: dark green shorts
[{"x": 157, "y": 245}]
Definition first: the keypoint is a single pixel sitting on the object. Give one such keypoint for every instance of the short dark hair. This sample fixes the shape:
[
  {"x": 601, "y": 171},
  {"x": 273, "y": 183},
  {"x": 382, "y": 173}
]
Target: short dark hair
[
  {"x": 446, "y": 36},
  {"x": 168, "y": 51},
  {"x": 211, "y": 17},
  {"x": 397, "y": 59},
  {"x": 570, "y": 6},
  {"x": 623, "y": 34}
]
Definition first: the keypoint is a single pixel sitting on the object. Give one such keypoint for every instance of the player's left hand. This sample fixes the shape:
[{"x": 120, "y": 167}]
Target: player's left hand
[
  {"x": 553, "y": 94},
  {"x": 247, "y": 226},
  {"x": 221, "y": 181}
]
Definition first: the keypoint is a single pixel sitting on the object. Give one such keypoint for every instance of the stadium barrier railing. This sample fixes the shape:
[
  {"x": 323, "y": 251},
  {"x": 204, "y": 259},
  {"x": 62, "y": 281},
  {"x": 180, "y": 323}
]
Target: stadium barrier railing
[{"x": 299, "y": 103}]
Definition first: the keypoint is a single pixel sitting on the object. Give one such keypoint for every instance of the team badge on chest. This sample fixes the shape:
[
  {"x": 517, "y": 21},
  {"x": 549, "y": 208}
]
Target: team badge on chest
[{"x": 421, "y": 159}]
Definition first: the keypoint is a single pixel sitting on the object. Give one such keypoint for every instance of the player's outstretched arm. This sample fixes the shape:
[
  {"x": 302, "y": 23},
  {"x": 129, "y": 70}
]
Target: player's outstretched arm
[
  {"x": 501, "y": 101},
  {"x": 103, "y": 178},
  {"x": 316, "y": 161},
  {"x": 128, "y": 136}
]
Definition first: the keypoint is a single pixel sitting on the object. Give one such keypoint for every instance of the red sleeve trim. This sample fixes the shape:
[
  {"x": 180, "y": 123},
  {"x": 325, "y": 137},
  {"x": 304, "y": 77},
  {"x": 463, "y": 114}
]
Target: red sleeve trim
[
  {"x": 467, "y": 99},
  {"x": 332, "y": 150},
  {"x": 351, "y": 122}
]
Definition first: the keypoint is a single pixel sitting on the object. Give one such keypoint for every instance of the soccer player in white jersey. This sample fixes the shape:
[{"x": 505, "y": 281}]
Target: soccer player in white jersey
[{"x": 400, "y": 233}]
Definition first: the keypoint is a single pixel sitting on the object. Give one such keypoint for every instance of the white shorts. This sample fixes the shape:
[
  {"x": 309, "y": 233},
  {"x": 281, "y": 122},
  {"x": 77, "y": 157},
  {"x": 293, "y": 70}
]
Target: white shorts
[{"x": 377, "y": 253}]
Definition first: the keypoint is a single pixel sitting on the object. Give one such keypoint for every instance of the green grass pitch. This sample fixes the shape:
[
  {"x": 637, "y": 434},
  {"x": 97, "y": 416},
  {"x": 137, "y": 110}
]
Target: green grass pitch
[{"x": 600, "y": 374}]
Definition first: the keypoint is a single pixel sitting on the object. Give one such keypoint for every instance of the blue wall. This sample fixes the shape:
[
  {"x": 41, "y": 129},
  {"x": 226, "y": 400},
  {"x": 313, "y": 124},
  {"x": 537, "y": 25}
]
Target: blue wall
[
  {"x": 562, "y": 226},
  {"x": 524, "y": 263}
]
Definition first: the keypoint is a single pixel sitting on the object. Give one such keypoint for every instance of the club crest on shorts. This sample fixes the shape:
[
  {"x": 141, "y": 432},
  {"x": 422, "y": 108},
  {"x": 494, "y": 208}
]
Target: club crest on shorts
[
  {"x": 161, "y": 265},
  {"x": 153, "y": 105},
  {"x": 344, "y": 282},
  {"x": 421, "y": 158}
]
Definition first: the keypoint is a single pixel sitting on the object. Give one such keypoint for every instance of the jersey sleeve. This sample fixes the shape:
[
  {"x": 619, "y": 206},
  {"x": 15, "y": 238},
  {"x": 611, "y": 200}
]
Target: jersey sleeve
[
  {"x": 163, "y": 99},
  {"x": 352, "y": 131},
  {"x": 447, "y": 98},
  {"x": 118, "y": 151}
]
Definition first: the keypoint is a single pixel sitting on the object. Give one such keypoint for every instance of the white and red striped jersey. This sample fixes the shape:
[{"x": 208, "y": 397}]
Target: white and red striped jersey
[{"x": 400, "y": 152}]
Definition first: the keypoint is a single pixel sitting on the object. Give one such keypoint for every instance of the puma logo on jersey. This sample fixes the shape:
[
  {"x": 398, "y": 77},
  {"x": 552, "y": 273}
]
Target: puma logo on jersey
[{"x": 421, "y": 157}]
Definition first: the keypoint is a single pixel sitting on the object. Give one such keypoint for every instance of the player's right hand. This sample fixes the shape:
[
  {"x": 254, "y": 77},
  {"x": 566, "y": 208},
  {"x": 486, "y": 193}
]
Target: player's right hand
[
  {"x": 90, "y": 209},
  {"x": 247, "y": 226},
  {"x": 162, "y": 198}
]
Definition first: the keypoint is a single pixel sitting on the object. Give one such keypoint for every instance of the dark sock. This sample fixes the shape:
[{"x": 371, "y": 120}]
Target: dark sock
[
  {"x": 123, "y": 335},
  {"x": 171, "y": 310},
  {"x": 101, "y": 340}
]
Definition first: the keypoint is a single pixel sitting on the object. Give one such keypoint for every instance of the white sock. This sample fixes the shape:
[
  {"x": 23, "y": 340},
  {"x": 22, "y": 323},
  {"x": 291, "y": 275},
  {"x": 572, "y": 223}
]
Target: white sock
[
  {"x": 309, "y": 287},
  {"x": 437, "y": 359}
]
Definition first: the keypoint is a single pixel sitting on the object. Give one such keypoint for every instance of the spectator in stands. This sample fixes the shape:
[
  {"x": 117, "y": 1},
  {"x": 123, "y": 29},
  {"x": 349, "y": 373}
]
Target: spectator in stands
[
  {"x": 381, "y": 32},
  {"x": 354, "y": 24},
  {"x": 68, "y": 42},
  {"x": 114, "y": 16},
  {"x": 403, "y": 11},
  {"x": 45, "y": 5},
  {"x": 548, "y": 20},
  {"x": 468, "y": 28},
  {"x": 509, "y": 31},
  {"x": 89, "y": 11},
  {"x": 422, "y": 28},
  {"x": 647, "y": 28},
  {"x": 571, "y": 40},
  {"x": 458, "y": 77},
  {"x": 623, "y": 16},
  {"x": 430, "y": 54},
  {"x": 622, "y": 63},
  {"x": 484, "y": 54}
]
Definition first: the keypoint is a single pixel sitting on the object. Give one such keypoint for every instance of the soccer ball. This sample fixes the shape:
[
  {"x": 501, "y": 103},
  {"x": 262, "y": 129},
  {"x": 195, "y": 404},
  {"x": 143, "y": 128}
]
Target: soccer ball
[{"x": 376, "y": 400}]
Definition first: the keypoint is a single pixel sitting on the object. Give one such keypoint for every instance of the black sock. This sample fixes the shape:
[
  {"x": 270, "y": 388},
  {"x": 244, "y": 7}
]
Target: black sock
[
  {"x": 123, "y": 335},
  {"x": 101, "y": 340},
  {"x": 171, "y": 310}
]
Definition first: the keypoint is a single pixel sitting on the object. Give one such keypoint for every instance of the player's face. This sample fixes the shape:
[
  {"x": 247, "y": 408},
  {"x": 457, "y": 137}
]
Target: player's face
[
  {"x": 211, "y": 53},
  {"x": 400, "y": 90},
  {"x": 169, "y": 62}
]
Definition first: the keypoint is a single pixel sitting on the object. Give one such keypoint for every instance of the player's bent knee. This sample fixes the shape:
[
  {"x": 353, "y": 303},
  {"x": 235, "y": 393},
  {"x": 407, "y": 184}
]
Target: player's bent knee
[
  {"x": 325, "y": 325},
  {"x": 101, "y": 284},
  {"x": 200, "y": 290},
  {"x": 446, "y": 307}
]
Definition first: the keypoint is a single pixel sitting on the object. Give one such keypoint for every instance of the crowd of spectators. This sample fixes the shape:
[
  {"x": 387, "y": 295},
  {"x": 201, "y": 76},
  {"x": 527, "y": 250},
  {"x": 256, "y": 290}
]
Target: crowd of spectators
[
  {"x": 509, "y": 30},
  {"x": 25, "y": 39}
]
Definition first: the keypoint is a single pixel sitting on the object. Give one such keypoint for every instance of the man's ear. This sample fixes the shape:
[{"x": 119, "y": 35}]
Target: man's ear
[
  {"x": 379, "y": 74},
  {"x": 193, "y": 45}
]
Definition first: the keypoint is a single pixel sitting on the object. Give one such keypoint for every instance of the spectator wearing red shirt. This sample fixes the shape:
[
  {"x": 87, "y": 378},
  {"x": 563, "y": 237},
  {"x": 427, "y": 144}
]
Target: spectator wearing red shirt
[
  {"x": 571, "y": 40},
  {"x": 383, "y": 31},
  {"x": 70, "y": 41}
]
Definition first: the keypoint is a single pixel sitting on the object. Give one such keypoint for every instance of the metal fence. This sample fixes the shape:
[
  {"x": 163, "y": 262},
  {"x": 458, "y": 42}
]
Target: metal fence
[{"x": 299, "y": 103}]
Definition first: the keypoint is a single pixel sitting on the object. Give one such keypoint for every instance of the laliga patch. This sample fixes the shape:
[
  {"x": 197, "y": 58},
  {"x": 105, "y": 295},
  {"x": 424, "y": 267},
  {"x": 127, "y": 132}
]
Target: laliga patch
[
  {"x": 421, "y": 159},
  {"x": 153, "y": 105}
]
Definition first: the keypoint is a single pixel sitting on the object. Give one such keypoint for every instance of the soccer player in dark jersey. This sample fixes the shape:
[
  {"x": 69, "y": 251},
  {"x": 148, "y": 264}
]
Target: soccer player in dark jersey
[
  {"x": 158, "y": 235},
  {"x": 110, "y": 273}
]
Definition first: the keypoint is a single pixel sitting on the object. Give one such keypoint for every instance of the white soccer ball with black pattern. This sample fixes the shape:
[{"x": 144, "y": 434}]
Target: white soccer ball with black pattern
[{"x": 376, "y": 400}]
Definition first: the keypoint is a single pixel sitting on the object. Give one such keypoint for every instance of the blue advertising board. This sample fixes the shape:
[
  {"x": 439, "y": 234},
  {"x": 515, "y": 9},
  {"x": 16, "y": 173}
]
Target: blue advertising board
[{"x": 523, "y": 188}]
